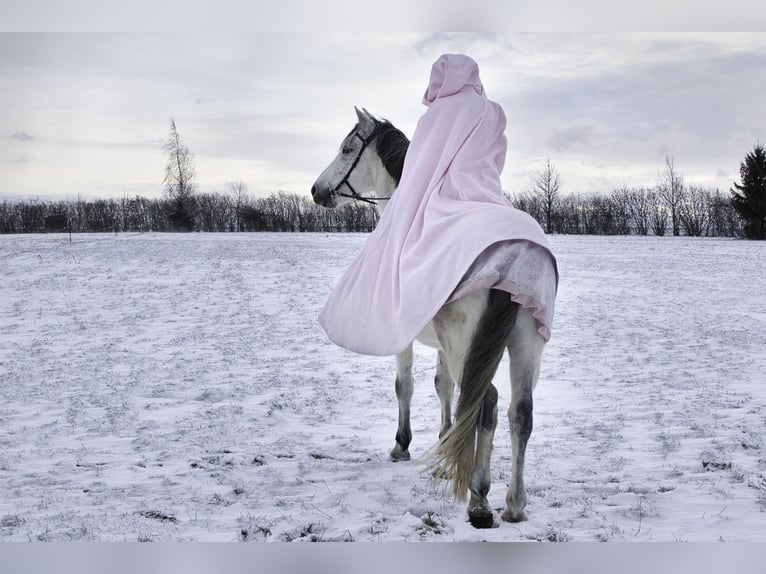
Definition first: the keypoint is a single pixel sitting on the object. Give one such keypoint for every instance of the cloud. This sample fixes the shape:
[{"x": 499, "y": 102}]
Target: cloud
[
  {"x": 465, "y": 42},
  {"x": 24, "y": 137},
  {"x": 619, "y": 101},
  {"x": 489, "y": 49},
  {"x": 572, "y": 137},
  {"x": 654, "y": 95}
]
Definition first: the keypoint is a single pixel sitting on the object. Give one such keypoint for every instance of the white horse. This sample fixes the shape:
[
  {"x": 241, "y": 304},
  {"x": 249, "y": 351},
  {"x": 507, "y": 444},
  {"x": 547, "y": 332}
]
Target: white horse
[{"x": 470, "y": 334}]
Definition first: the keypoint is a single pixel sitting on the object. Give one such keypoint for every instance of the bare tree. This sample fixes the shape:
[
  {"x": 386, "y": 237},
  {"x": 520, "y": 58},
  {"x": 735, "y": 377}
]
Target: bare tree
[
  {"x": 670, "y": 186},
  {"x": 620, "y": 204},
  {"x": 239, "y": 195},
  {"x": 724, "y": 221},
  {"x": 179, "y": 179},
  {"x": 528, "y": 202},
  {"x": 640, "y": 209},
  {"x": 694, "y": 211},
  {"x": 567, "y": 219},
  {"x": 545, "y": 186},
  {"x": 658, "y": 213}
]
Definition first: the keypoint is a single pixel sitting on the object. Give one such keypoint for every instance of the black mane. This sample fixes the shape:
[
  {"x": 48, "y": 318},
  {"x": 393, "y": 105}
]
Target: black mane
[{"x": 391, "y": 145}]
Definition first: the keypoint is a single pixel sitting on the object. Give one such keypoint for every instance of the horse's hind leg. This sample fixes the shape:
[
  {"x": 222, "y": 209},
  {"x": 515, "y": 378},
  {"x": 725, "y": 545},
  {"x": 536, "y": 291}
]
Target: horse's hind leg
[
  {"x": 404, "y": 385},
  {"x": 526, "y": 349},
  {"x": 445, "y": 388},
  {"x": 479, "y": 512},
  {"x": 473, "y": 351}
]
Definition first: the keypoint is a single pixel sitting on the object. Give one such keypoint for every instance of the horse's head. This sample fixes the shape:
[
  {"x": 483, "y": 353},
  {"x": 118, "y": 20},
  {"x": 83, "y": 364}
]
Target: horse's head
[
  {"x": 369, "y": 162},
  {"x": 349, "y": 175}
]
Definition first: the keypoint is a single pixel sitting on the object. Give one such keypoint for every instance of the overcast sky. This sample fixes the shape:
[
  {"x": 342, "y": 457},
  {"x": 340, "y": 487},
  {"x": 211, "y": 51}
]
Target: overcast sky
[{"x": 86, "y": 113}]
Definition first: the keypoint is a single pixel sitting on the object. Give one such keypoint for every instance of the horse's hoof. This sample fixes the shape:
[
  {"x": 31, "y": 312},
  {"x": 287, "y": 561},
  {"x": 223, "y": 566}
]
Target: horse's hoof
[
  {"x": 509, "y": 516},
  {"x": 399, "y": 455},
  {"x": 481, "y": 517}
]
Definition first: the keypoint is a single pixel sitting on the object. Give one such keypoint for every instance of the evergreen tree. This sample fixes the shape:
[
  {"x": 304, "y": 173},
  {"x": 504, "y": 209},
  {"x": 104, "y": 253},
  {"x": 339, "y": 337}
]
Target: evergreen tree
[{"x": 749, "y": 197}]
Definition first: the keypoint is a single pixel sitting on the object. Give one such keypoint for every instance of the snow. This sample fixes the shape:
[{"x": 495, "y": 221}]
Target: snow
[{"x": 178, "y": 387}]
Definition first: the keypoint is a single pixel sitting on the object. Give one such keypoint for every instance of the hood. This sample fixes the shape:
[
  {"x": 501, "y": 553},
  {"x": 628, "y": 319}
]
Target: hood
[{"x": 451, "y": 73}]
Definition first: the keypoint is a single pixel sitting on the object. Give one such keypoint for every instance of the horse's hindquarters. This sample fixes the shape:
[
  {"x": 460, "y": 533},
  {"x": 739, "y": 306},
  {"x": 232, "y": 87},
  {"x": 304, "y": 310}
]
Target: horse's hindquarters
[
  {"x": 453, "y": 326},
  {"x": 428, "y": 337}
]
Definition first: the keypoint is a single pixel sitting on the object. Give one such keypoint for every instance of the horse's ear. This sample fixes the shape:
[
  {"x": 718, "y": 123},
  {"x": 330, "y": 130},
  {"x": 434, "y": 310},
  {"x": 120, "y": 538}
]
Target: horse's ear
[{"x": 365, "y": 119}]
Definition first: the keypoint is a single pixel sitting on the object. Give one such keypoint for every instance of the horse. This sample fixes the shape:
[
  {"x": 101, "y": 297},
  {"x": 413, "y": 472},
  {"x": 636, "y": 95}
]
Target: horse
[{"x": 470, "y": 335}]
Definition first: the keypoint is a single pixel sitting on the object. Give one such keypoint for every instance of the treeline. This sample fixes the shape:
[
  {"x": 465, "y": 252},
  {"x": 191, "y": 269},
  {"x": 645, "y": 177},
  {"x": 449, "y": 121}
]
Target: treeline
[
  {"x": 625, "y": 211},
  {"x": 209, "y": 212},
  {"x": 692, "y": 210}
]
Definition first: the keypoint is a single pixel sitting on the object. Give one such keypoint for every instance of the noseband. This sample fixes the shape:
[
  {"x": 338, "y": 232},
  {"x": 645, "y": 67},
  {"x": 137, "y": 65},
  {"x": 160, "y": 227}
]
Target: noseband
[{"x": 347, "y": 183}]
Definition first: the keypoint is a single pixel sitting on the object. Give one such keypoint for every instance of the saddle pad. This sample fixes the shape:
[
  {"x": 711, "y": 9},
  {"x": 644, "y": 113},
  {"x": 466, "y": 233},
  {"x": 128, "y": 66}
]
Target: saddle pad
[{"x": 523, "y": 269}]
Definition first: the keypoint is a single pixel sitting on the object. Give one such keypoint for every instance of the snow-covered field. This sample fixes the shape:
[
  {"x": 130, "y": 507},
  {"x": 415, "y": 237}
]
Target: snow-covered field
[{"x": 178, "y": 387}]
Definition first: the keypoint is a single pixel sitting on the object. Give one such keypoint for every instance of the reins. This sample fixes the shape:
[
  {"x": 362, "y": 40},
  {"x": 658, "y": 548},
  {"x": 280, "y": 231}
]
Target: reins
[{"x": 344, "y": 181}]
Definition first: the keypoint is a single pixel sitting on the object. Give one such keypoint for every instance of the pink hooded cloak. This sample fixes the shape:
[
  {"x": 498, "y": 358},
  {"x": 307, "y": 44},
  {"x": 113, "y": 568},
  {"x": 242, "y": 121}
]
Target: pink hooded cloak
[{"x": 447, "y": 230}]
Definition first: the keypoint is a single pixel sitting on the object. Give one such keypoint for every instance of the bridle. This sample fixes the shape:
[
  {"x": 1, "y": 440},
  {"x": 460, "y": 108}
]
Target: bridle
[{"x": 347, "y": 183}]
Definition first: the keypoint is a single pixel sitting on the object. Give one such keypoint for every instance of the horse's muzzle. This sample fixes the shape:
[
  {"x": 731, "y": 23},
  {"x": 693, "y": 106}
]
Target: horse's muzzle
[{"x": 323, "y": 197}]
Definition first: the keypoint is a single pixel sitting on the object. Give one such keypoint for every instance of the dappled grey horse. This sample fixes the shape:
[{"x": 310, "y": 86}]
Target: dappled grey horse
[{"x": 470, "y": 334}]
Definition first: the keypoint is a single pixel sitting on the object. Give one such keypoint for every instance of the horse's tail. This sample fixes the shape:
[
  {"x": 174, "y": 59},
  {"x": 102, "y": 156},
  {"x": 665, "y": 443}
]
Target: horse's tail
[{"x": 454, "y": 458}]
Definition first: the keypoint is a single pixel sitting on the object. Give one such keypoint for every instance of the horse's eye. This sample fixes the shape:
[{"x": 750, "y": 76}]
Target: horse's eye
[{"x": 346, "y": 150}]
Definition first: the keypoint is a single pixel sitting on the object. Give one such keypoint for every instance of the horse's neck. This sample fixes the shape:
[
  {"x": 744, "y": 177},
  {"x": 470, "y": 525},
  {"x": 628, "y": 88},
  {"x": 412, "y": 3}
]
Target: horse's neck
[{"x": 384, "y": 189}]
